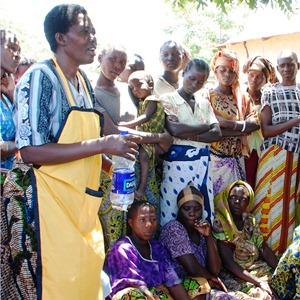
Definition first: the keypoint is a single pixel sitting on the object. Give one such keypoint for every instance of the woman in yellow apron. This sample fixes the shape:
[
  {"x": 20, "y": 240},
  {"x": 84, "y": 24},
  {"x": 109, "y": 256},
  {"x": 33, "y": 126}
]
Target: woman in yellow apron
[{"x": 52, "y": 199}]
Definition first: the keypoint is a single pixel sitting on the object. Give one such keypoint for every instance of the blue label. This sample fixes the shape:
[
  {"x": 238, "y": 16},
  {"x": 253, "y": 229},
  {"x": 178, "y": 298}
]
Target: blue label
[{"x": 123, "y": 181}]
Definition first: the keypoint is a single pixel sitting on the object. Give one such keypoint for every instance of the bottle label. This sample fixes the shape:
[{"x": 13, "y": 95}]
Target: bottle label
[{"x": 123, "y": 181}]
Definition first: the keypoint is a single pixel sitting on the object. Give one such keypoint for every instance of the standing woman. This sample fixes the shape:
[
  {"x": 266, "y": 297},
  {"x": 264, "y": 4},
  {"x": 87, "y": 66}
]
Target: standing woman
[
  {"x": 192, "y": 123},
  {"x": 260, "y": 71},
  {"x": 10, "y": 57},
  {"x": 116, "y": 106},
  {"x": 52, "y": 199},
  {"x": 172, "y": 56},
  {"x": 237, "y": 118},
  {"x": 278, "y": 176}
]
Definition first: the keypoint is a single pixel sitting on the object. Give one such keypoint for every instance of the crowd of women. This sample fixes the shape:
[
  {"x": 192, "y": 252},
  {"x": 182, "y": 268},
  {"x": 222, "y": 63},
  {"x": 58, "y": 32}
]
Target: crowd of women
[{"x": 216, "y": 212}]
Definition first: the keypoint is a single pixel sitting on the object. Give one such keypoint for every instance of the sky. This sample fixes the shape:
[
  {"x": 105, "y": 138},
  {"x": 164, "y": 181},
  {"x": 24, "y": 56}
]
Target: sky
[
  {"x": 138, "y": 24},
  {"x": 135, "y": 23}
]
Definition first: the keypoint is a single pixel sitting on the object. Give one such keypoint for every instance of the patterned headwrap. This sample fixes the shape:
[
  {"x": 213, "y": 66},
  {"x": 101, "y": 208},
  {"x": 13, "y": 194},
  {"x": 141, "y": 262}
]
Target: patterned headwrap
[
  {"x": 190, "y": 193},
  {"x": 222, "y": 208},
  {"x": 226, "y": 58},
  {"x": 262, "y": 64},
  {"x": 229, "y": 58}
]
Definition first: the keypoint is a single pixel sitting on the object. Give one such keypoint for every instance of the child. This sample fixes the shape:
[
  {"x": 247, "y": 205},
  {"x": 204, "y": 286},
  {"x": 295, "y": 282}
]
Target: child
[{"x": 150, "y": 119}]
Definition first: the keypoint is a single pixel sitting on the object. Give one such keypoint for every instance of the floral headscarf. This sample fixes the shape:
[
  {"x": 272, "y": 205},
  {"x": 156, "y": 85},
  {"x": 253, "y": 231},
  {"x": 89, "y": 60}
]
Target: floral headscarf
[
  {"x": 222, "y": 210},
  {"x": 229, "y": 58},
  {"x": 225, "y": 58},
  {"x": 262, "y": 64}
]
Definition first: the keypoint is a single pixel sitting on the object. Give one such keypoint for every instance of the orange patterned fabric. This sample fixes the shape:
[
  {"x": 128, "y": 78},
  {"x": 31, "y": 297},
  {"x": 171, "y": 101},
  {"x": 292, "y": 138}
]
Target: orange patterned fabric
[{"x": 277, "y": 191}]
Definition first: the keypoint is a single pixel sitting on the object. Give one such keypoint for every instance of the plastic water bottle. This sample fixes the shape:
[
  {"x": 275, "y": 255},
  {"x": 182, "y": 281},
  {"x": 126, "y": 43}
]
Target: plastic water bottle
[{"x": 123, "y": 182}]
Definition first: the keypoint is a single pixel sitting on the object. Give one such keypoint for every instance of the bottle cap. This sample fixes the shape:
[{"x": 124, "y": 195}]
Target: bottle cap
[{"x": 123, "y": 132}]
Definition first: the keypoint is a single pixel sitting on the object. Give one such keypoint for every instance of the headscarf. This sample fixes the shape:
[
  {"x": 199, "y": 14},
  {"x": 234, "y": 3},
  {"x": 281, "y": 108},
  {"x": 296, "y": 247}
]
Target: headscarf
[
  {"x": 222, "y": 209},
  {"x": 261, "y": 64},
  {"x": 229, "y": 58},
  {"x": 225, "y": 58},
  {"x": 190, "y": 193}
]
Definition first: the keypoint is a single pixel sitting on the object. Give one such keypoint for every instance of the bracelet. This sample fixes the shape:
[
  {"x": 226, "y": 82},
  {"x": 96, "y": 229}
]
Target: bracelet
[{"x": 244, "y": 126}]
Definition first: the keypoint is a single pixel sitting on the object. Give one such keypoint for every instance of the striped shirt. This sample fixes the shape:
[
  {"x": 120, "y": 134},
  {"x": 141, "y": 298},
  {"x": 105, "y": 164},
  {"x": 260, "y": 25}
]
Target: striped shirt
[{"x": 41, "y": 105}]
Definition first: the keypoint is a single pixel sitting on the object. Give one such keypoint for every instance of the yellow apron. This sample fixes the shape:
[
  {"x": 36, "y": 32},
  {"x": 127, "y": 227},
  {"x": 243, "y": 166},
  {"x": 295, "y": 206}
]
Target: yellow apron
[{"x": 71, "y": 248}]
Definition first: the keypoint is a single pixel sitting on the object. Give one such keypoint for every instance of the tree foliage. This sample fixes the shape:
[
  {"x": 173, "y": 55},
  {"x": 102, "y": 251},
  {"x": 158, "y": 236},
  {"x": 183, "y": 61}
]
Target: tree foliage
[
  {"x": 223, "y": 5},
  {"x": 202, "y": 30}
]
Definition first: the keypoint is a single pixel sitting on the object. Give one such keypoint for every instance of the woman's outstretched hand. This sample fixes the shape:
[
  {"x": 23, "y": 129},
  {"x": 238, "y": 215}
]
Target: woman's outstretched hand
[
  {"x": 265, "y": 287},
  {"x": 122, "y": 145},
  {"x": 166, "y": 141}
]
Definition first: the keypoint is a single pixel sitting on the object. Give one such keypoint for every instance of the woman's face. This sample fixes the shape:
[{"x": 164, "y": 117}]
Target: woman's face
[
  {"x": 238, "y": 200},
  {"x": 144, "y": 223},
  {"x": 10, "y": 54},
  {"x": 80, "y": 42},
  {"x": 190, "y": 212},
  {"x": 171, "y": 57},
  {"x": 225, "y": 75},
  {"x": 256, "y": 80},
  {"x": 287, "y": 67},
  {"x": 193, "y": 80},
  {"x": 113, "y": 64}
]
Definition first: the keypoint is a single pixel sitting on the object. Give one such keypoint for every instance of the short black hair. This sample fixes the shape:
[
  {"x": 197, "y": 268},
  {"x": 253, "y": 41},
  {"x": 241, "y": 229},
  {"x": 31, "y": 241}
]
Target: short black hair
[
  {"x": 200, "y": 64},
  {"x": 5, "y": 35},
  {"x": 173, "y": 43},
  {"x": 60, "y": 19},
  {"x": 135, "y": 206}
]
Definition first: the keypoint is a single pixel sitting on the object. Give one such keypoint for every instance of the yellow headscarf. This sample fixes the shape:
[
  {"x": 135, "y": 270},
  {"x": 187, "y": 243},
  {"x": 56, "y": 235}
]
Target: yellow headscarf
[{"x": 222, "y": 209}]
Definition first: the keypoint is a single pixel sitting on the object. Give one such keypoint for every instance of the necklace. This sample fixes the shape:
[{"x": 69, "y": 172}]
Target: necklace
[{"x": 256, "y": 99}]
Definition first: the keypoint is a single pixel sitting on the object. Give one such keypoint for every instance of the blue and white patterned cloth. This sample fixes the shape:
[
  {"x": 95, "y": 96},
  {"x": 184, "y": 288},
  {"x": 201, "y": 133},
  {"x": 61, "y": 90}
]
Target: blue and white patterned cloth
[
  {"x": 8, "y": 130},
  {"x": 182, "y": 165}
]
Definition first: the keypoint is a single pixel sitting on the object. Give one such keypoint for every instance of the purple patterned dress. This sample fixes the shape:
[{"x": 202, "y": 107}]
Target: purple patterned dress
[
  {"x": 175, "y": 237},
  {"x": 127, "y": 268}
]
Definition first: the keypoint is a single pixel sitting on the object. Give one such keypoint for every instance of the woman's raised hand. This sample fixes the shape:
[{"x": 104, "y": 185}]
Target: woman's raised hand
[{"x": 203, "y": 227}]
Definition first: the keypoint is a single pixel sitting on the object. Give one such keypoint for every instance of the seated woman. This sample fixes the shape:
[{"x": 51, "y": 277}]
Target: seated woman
[
  {"x": 192, "y": 247},
  {"x": 139, "y": 267},
  {"x": 247, "y": 260},
  {"x": 286, "y": 278}
]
